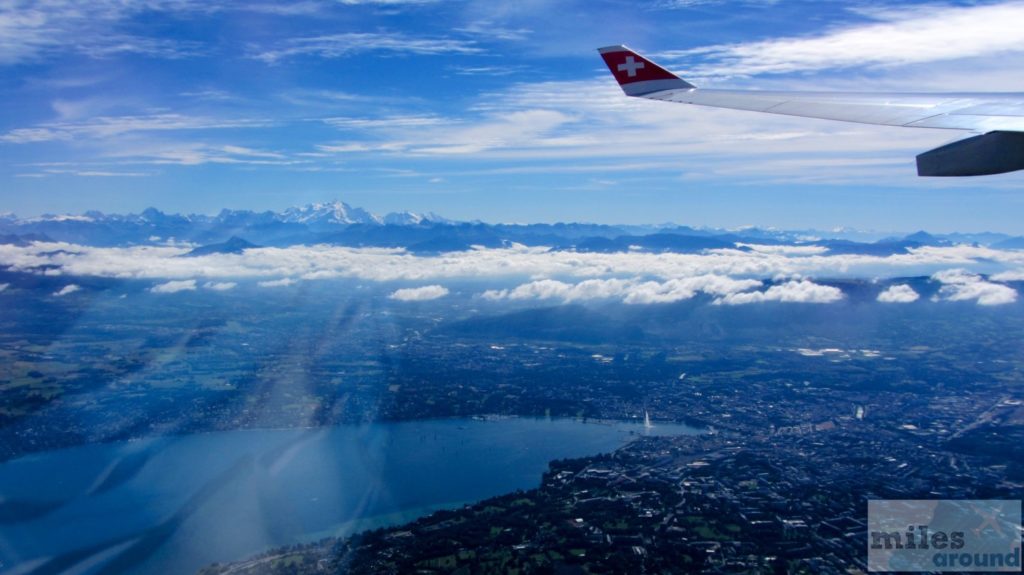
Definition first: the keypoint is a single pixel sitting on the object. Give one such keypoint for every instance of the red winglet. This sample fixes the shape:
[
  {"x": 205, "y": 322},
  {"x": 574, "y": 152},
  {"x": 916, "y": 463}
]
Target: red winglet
[{"x": 638, "y": 75}]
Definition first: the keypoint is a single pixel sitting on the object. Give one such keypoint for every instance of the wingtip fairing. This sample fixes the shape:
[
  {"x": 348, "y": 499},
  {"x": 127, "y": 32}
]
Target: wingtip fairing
[{"x": 639, "y": 76}]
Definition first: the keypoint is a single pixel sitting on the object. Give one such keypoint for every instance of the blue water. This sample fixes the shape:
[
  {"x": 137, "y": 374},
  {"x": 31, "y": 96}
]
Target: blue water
[{"x": 175, "y": 504}]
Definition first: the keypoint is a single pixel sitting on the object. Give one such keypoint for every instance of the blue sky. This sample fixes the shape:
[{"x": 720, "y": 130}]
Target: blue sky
[{"x": 494, "y": 110}]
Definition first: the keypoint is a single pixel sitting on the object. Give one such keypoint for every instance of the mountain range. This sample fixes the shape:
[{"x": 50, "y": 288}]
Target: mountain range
[{"x": 338, "y": 223}]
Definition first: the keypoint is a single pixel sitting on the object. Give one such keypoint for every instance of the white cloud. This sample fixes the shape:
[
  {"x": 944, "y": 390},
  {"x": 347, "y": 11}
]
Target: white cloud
[
  {"x": 68, "y": 289},
  {"x": 196, "y": 153},
  {"x": 956, "y": 276},
  {"x": 499, "y": 131},
  {"x": 100, "y": 173},
  {"x": 386, "y": 2},
  {"x": 802, "y": 291},
  {"x": 542, "y": 126},
  {"x": 165, "y": 48},
  {"x": 4, "y": 286},
  {"x": 174, "y": 286},
  {"x": 895, "y": 36},
  {"x": 113, "y": 126},
  {"x": 30, "y": 135},
  {"x": 220, "y": 286},
  {"x": 961, "y": 285},
  {"x": 425, "y": 293},
  {"x": 540, "y": 289},
  {"x": 283, "y": 282},
  {"x": 684, "y": 4},
  {"x": 338, "y": 45},
  {"x": 489, "y": 30},
  {"x": 784, "y": 249},
  {"x": 634, "y": 277},
  {"x": 685, "y": 288},
  {"x": 30, "y": 31},
  {"x": 898, "y": 294},
  {"x": 630, "y": 291},
  {"x": 1009, "y": 276},
  {"x": 488, "y": 70}
]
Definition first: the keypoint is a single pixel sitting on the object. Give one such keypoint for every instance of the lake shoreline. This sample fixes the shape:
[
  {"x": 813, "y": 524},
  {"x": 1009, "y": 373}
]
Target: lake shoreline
[
  {"x": 183, "y": 502},
  {"x": 61, "y": 445}
]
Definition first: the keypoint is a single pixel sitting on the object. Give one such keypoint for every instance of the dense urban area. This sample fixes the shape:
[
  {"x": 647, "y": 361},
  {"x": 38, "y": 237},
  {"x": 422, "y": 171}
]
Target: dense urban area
[{"x": 809, "y": 411}]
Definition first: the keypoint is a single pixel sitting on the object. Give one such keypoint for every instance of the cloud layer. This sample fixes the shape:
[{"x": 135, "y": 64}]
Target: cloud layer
[
  {"x": 282, "y": 266},
  {"x": 731, "y": 276}
]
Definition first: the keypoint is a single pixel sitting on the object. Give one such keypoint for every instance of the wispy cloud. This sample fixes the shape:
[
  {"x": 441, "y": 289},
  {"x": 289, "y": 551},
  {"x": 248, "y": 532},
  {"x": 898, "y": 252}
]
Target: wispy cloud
[
  {"x": 541, "y": 126},
  {"x": 385, "y": 2},
  {"x": 894, "y": 37},
  {"x": 31, "y": 135},
  {"x": 407, "y": 121},
  {"x": 30, "y": 31},
  {"x": 197, "y": 153},
  {"x": 435, "y": 136},
  {"x": 338, "y": 45},
  {"x": 493, "y": 31},
  {"x": 487, "y": 70},
  {"x": 86, "y": 173},
  {"x": 301, "y": 8},
  {"x": 118, "y": 44},
  {"x": 689, "y": 4},
  {"x": 113, "y": 126}
]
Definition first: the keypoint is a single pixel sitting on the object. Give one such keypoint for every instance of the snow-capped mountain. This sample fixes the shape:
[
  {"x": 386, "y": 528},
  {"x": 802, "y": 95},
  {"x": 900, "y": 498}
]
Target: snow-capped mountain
[
  {"x": 338, "y": 223},
  {"x": 414, "y": 219},
  {"x": 329, "y": 214},
  {"x": 302, "y": 224}
]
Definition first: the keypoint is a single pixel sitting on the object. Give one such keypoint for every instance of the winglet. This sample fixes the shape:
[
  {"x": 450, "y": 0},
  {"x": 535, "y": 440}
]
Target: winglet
[{"x": 637, "y": 75}]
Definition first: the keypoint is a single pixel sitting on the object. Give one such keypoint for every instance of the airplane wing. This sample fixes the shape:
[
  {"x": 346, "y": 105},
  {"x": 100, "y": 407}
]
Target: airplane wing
[{"x": 999, "y": 117}]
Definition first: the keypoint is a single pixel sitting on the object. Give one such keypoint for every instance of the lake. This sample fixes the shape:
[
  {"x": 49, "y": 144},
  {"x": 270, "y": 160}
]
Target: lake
[{"x": 175, "y": 504}]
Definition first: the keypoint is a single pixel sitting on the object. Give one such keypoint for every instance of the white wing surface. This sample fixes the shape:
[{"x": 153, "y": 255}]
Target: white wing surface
[{"x": 998, "y": 117}]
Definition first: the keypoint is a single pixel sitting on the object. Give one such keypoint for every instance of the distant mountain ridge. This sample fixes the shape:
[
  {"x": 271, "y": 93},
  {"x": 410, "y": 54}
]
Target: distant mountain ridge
[
  {"x": 234, "y": 245},
  {"x": 338, "y": 223}
]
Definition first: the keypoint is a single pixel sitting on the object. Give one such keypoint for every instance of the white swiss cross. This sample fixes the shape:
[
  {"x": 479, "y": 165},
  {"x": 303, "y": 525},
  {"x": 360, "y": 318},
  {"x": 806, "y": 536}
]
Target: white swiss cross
[{"x": 631, "y": 66}]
